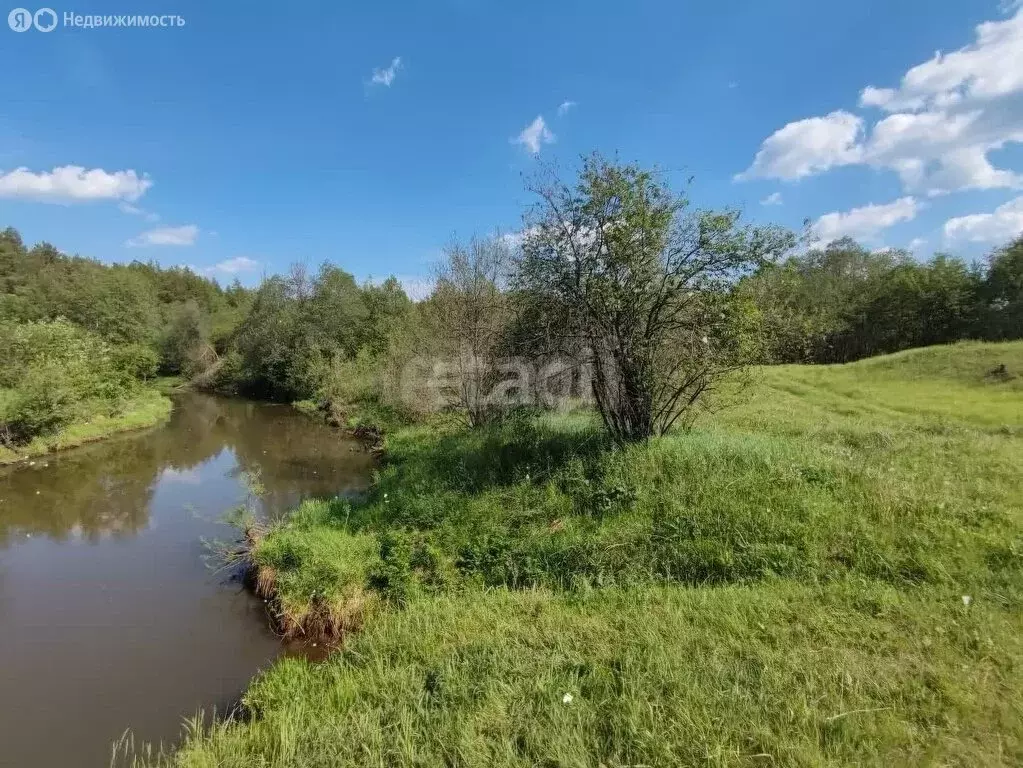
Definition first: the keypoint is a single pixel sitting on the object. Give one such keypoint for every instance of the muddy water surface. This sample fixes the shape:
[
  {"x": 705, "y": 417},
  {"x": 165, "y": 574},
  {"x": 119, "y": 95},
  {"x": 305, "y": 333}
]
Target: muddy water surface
[{"x": 109, "y": 618}]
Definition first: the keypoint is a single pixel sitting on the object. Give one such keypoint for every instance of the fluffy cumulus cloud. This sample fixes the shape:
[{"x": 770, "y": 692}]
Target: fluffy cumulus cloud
[
  {"x": 386, "y": 76},
  {"x": 535, "y": 135},
  {"x": 183, "y": 235},
  {"x": 1004, "y": 223},
  {"x": 866, "y": 222},
  {"x": 808, "y": 146},
  {"x": 772, "y": 199},
  {"x": 73, "y": 183},
  {"x": 937, "y": 127}
]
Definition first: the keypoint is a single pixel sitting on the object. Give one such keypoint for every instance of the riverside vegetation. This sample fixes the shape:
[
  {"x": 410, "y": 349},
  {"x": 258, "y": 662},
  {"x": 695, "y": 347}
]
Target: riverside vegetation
[
  {"x": 830, "y": 573},
  {"x": 724, "y": 556},
  {"x": 81, "y": 343},
  {"x": 826, "y": 572}
]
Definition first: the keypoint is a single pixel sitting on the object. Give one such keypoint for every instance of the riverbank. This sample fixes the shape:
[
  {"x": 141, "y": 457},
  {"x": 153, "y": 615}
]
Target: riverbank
[
  {"x": 146, "y": 409},
  {"x": 828, "y": 574}
]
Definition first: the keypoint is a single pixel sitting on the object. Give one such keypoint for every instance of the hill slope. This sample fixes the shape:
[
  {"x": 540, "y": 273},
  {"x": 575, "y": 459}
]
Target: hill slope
[{"x": 829, "y": 574}]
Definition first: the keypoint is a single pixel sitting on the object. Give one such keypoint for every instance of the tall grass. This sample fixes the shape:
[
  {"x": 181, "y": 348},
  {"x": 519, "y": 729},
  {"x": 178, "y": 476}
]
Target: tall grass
[{"x": 830, "y": 574}]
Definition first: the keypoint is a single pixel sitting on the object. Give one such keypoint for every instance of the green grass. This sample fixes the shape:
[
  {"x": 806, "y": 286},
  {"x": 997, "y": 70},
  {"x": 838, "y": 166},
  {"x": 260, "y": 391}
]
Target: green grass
[
  {"x": 779, "y": 674},
  {"x": 781, "y": 586},
  {"x": 147, "y": 409}
]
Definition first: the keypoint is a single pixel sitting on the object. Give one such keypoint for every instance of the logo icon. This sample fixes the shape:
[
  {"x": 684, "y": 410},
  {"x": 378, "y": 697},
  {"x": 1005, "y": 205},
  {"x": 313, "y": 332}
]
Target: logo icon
[
  {"x": 20, "y": 20},
  {"x": 45, "y": 19}
]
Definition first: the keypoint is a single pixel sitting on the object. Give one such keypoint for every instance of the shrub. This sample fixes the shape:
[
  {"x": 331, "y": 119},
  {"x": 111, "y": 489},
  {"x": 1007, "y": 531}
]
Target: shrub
[{"x": 57, "y": 372}]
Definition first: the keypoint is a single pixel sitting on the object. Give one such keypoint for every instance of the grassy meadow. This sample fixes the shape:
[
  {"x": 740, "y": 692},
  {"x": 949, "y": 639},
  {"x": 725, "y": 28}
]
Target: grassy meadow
[{"x": 830, "y": 572}]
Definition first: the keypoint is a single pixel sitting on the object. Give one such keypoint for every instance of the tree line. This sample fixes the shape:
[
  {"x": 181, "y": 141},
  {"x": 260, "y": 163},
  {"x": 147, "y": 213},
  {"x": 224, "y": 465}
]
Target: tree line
[{"x": 663, "y": 303}]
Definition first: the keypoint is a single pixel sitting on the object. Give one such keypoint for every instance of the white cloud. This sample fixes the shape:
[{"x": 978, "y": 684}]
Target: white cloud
[
  {"x": 772, "y": 199},
  {"x": 916, "y": 244},
  {"x": 945, "y": 117},
  {"x": 534, "y": 135},
  {"x": 134, "y": 210},
  {"x": 1004, "y": 223},
  {"x": 566, "y": 107},
  {"x": 73, "y": 183},
  {"x": 184, "y": 476},
  {"x": 184, "y": 235},
  {"x": 234, "y": 266},
  {"x": 866, "y": 222},
  {"x": 386, "y": 76},
  {"x": 988, "y": 68},
  {"x": 808, "y": 146}
]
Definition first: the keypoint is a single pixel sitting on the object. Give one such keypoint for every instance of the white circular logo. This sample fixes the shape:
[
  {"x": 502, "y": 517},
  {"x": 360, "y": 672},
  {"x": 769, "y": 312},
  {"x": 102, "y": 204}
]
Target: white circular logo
[
  {"x": 45, "y": 19},
  {"x": 20, "y": 20}
]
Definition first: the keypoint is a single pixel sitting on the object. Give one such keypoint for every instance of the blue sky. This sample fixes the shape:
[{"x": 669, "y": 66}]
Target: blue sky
[{"x": 256, "y": 135}]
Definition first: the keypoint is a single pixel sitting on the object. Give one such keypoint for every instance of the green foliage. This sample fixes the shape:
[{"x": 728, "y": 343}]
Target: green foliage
[
  {"x": 787, "y": 580},
  {"x": 799, "y": 483},
  {"x": 177, "y": 315},
  {"x": 185, "y": 339},
  {"x": 57, "y": 372},
  {"x": 301, "y": 329},
  {"x": 845, "y": 303},
  {"x": 136, "y": 361},
  {"x": 642, "y": 283},
  {"x": 1002, "y": 311}
]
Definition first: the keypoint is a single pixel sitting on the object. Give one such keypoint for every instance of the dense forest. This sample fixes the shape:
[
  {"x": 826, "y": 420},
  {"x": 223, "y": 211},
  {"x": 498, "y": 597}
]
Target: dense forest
[{"x": 80, "y": 335}]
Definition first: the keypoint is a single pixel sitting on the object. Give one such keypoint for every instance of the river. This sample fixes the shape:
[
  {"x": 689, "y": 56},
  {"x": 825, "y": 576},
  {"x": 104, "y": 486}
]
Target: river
[{"x": 109, "y": 617}]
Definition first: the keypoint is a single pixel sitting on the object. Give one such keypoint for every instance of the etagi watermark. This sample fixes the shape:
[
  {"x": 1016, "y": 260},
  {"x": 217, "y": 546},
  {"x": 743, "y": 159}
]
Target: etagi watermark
[{"x": 47, "y": 20}]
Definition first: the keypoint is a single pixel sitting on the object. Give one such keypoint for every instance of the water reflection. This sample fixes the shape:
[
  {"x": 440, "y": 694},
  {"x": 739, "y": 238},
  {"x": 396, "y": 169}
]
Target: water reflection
[
  {"x": 106, "y": 608},
  {"x": 107, "y": 489}
]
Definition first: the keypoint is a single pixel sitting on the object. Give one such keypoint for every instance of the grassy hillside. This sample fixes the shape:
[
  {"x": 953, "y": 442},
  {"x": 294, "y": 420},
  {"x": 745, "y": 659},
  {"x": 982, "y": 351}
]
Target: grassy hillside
[{"x": 828, "y": 574}]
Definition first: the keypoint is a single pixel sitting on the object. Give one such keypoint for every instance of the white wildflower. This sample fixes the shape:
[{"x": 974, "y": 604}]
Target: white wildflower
[
  {"x": 566, "y": 699},
  {"x": 967, "y": 600}
]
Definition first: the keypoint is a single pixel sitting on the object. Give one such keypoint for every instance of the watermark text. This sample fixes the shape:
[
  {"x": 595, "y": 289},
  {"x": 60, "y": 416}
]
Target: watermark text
[{"x": 47, "y": 20}]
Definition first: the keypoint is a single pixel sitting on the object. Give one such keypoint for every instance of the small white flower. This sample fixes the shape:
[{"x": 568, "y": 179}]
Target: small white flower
[
  {"x": 706, "y": 340},
  {"x": 566, "y": 699},
  {"x": 967, "y": 600}
]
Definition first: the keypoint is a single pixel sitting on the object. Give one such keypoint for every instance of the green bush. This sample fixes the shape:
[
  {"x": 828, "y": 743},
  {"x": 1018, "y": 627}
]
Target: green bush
[
  {"x": 136, "y": 361},
  {"x": 56, "y": 372}
]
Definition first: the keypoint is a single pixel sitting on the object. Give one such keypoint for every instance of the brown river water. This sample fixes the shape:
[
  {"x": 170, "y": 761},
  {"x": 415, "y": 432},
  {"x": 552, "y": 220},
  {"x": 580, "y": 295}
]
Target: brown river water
[{"x": 110, "y": 618}]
